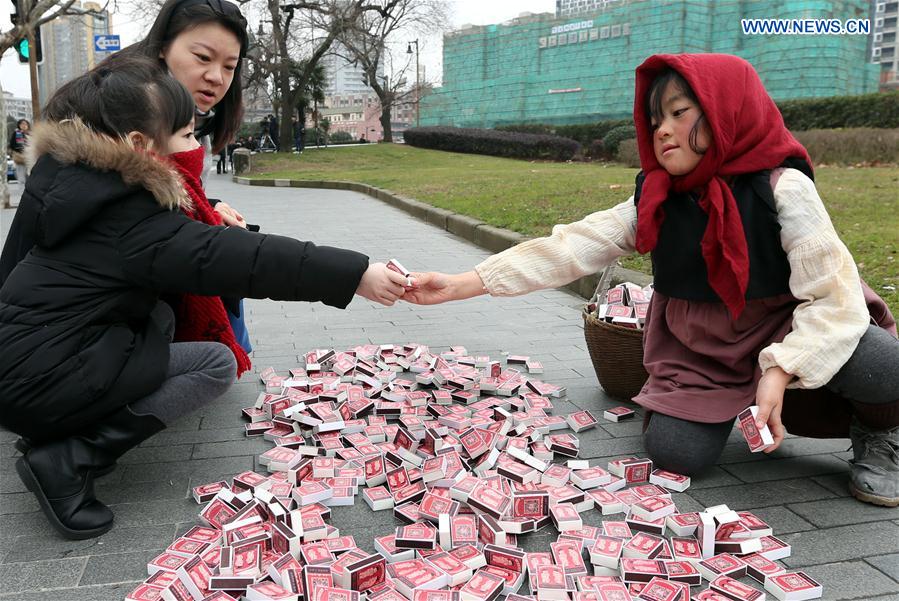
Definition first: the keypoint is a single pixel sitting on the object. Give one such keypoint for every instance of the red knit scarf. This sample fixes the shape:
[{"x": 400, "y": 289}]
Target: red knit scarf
[
  {"x": 202, "y": 318},
  {"x": 748, "y": 135}
]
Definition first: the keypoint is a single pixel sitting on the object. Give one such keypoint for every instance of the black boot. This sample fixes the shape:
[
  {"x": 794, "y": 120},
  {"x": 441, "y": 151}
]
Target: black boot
[
  {"x": 61, "y": 473},
  {"x": 23, "y": 445}
]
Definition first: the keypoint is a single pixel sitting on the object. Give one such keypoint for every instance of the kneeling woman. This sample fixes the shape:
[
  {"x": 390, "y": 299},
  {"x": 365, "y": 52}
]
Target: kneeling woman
[{"x": 89, "y": 369}]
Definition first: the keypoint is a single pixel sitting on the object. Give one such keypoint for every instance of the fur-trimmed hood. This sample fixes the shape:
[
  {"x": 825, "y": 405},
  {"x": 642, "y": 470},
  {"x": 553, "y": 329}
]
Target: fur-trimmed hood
[
  {"x": 77, "y": 173},
  {"x": 71, "y": 142}
]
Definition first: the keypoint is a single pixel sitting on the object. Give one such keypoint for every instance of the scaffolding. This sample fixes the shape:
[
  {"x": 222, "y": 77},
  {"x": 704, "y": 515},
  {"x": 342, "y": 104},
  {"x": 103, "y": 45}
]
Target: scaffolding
[{"x": 543, "y": 69}]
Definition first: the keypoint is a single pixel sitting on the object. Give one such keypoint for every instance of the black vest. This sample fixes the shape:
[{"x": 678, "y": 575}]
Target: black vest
[{"x": 679, "y": 270}]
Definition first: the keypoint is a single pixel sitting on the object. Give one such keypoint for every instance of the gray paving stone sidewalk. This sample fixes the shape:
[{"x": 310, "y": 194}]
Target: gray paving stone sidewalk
[{"x": 852, "y": 548}]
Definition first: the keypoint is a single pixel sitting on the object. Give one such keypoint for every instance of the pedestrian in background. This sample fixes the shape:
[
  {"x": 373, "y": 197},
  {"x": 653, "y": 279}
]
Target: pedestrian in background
[{"x": 16, "y": 147}]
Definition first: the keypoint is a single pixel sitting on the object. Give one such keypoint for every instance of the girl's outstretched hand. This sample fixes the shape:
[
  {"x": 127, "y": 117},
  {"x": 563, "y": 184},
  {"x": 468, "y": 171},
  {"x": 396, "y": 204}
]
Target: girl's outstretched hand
[
  {"x": 770, "y": 398},
  {"x": 381, "y": 285},
  {"x": 431, "y": 288}
]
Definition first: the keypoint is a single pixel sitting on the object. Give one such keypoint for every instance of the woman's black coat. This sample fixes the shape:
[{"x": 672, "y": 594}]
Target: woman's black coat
[{"x": 96, "y": 239}]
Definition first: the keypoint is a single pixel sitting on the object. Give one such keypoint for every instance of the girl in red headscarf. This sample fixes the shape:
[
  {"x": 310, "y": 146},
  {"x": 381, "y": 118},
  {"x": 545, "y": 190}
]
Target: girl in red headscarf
[{"x": 757, "y": 300}]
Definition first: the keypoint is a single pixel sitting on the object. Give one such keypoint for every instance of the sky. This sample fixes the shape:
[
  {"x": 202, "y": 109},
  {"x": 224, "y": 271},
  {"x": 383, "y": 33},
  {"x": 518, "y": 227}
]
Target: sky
[{"x": 14, "y": 76}]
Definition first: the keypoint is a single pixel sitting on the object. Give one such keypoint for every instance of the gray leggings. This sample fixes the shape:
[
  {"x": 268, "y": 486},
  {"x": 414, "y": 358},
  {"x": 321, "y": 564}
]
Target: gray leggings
[
  {"x": 199, "y": 372},
  {"x": 869, "y": 378}
]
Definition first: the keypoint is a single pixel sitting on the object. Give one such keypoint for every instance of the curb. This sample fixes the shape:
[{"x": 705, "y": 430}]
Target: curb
[{"x": 473, "y": 230}]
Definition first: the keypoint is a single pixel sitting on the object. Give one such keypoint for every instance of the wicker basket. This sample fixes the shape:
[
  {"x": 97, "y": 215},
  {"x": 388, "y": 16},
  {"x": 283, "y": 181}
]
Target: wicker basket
[{"x": 616, "y": 351}]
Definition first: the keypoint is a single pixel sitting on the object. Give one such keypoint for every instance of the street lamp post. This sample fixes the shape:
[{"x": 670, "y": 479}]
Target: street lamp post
[{"x": 417, "y": 82}]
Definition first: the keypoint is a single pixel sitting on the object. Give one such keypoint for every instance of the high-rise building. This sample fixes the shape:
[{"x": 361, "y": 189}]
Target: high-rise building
[
  {"x": 17, "y": 108},
  {"x": 573, "y": 8},
  {"x": 345, "y": 78},
  {"x": 68, "y": 47},
  {"x": 883, "y": 44},
  {"x": 545, "y": 68}
]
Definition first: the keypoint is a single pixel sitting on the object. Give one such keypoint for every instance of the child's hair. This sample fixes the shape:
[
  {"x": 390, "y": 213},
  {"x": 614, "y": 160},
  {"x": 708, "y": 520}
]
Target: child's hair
[
  {"x": 654, "y": 103},
  {"x": 125, "y": 94}
]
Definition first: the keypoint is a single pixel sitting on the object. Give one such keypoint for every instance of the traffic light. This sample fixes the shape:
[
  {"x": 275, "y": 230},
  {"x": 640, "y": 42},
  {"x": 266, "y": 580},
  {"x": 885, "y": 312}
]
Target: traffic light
[
  {"x": 24, "y": 50},
  {"x": 21, "y": 46}
]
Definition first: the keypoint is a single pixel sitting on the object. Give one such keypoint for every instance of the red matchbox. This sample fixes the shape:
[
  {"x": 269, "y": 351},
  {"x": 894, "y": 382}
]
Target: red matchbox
[
  {"x": 736, "y": 590},
  {"x": 617, "y": 414},
  {"x": 758, "y": 438},
  {"x": 723, "y": 564},
  {"x": 793, "y": 586},
  {"x": 641, "y": 570},
  {"x": 760, "y": 569},
  {"x": 606, "y": 552}
]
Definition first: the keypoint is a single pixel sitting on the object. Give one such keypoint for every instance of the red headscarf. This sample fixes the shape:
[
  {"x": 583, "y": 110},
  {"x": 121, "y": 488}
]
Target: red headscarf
[
  {"x": 202, "y": 318},
  {"x": 748, "y": 135}
]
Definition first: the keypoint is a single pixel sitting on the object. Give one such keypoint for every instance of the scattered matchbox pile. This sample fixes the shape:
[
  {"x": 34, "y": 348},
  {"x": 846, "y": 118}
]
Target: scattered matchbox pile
[
  {"x": 624, "y": 305},
  {"x": 468, "y": 456}
]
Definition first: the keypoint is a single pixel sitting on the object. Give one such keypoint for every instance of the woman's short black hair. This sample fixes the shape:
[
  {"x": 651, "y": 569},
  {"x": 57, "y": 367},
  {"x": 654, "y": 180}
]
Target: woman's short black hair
[
  {"x": 125, "y": 94},
  {"x": 654, "y": 103},
  {"x": 21, "y": 121},
  {"x": 177, "y": 16}
]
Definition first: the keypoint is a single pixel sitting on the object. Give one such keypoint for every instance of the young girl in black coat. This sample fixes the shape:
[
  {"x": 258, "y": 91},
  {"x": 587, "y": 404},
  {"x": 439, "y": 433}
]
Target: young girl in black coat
[{"x": 90, "y": 370}]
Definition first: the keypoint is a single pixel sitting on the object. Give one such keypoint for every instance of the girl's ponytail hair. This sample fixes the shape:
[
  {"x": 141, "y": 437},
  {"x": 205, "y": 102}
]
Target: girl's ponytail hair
[{"x": 124, "y": 94}]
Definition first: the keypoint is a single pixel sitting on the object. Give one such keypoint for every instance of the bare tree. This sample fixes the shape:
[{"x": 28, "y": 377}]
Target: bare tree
[
  {"x": 301, "y": 34},
  {"x": 367, "y": 44},
  {"x": 273, "y": 59},
  {"x": 32, "y": 14}
]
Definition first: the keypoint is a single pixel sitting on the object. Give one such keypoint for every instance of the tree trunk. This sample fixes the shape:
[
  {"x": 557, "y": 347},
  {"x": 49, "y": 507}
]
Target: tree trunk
[
  {"x": 282, "y": 74},
  {"x": 385, "y": 124}
]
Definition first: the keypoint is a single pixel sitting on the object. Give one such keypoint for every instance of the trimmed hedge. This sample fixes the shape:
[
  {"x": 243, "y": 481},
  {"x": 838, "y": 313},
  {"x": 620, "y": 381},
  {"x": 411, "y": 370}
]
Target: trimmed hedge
[
  {"x": 628, "y": 153},
  {"x": 585, "y": 133},
  {"x": 851, "y": 146},
  {"x": 615, "y": 137},
  {"x": 880, "y": 111},
  {"x": 861, "y": 145},
  {"x": 340, "y": 136},
  {"x": 492, "y": 142}
]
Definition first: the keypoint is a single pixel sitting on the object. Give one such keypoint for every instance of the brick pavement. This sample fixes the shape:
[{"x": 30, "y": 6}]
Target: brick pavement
[{"x": 852, "y": 548}]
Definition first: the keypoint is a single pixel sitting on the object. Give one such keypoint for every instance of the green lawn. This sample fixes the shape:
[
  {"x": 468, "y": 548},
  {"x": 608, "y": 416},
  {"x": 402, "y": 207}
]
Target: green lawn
[{"x": 530, "y": 197}]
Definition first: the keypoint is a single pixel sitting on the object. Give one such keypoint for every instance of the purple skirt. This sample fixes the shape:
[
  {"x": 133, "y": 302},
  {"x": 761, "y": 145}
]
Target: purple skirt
[{"x": 703, "y": 366}]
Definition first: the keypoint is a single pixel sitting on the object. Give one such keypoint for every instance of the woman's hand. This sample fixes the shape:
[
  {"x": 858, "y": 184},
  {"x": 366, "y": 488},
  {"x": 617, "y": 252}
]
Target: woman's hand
[
  {"x": 229, "y": 215},
  {"x": 381, "y": 285},
  {"x": 433, "y": 288},
  {"x": 770, "y": 398}
]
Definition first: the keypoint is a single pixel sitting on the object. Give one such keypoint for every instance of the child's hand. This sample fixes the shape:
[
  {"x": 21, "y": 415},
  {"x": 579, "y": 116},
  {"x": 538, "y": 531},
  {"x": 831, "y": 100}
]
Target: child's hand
[
  {"x": 229, "y": 215},
  {"x": 428, "y": 288},
  {"x": 381, "y": 285},
  {"x": 770, "y": 398},
  {"x": 432, "y": 288}
]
